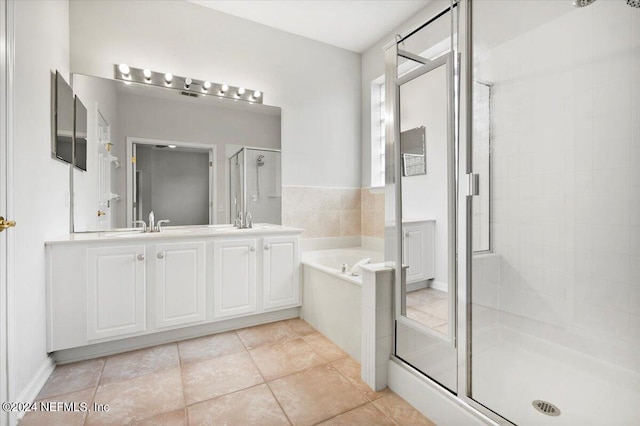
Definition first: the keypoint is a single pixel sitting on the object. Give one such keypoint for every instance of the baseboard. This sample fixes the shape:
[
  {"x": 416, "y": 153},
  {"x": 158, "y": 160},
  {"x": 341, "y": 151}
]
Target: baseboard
[
  {"x": 417, "y": 286},
  {"x": 439, "y": 405},
  {"x": 139, "y": 342},
  {"x": 439, "y": 285},
  {"x": 31, "y": 391}
]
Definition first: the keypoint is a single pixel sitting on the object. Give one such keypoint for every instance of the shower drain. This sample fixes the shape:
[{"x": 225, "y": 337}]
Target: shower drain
[{"x": 546, "y": 407}]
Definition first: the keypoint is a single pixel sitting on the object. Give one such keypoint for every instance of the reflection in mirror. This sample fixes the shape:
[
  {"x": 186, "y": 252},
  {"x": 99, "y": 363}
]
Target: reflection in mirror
[
  {"x": 425, "y": 199},
  {"x": 118, "y": 112},
  {"x": 173, "y": 180},
  {"x": 254, "y": 176},
  {"x": 63, "y": 148},
  {"x": 80, "y": 136}
]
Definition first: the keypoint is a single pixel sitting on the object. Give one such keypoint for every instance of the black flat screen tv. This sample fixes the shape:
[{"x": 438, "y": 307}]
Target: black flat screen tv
[{"x": 63, "y": 120}]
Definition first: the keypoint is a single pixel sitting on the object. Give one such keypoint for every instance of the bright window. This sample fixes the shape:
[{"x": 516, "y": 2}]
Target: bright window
[{"x": 377, "y": 132}]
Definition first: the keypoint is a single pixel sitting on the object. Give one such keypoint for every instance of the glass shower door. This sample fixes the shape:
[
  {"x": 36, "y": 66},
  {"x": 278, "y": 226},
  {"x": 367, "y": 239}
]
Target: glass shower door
[{"x": 555, "y": 320}]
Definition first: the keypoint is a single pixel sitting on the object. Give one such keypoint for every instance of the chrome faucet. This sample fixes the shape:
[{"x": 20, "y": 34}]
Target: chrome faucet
[
  {"x": 159, "y": 224},
  {"x": 152, "y": 222},
  {"x": 141, "y": 222},
  {"x": 243, "y": 221}
]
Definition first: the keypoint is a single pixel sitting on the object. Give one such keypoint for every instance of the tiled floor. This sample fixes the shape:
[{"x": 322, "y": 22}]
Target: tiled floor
[
  {"x": 275, "y": 374},
  {"x": 430, "y": 307}
]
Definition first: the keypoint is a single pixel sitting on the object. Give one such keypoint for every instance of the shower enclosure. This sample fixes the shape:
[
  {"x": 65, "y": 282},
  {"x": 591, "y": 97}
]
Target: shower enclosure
[
  {"x": 255, "y": 184},
  {"x": 531, "y": 112}
]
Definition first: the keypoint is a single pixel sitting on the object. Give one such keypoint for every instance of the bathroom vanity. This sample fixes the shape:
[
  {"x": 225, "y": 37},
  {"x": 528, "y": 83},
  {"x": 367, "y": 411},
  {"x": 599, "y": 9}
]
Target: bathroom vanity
[{"x": 106, "y": 286}]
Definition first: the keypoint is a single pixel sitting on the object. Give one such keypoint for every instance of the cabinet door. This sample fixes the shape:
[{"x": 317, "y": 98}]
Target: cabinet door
[
  {"x": 180, "y": 283},
  {"x": 115, "y": 291},
  {"x": 281, "y": 272},
  {"x": 234, "y": 282},
  {"x": 414, "y": 252}
]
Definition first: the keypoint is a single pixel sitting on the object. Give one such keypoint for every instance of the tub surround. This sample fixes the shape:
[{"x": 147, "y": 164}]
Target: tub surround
[
  {"x": 140, "y": 288},
  {"x": 372, "y": 212}
]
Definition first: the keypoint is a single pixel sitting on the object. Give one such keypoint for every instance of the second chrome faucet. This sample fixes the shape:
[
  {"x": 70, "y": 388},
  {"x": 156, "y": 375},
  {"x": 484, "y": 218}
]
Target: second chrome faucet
[{"x": 153, "y": 227}]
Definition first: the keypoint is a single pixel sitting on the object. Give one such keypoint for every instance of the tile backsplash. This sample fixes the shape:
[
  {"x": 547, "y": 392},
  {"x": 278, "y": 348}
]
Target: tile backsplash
[{"x": 334, "y": 212}]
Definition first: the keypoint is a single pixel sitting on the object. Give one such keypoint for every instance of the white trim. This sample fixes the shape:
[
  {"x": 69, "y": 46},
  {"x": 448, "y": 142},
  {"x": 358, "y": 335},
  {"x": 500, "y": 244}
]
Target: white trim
[
  {"x": 438, "y": 404},
  {"x": 213, "y": 172},
  {"x": 31, "y": 391},
  {"x": 7, "y": 264}
]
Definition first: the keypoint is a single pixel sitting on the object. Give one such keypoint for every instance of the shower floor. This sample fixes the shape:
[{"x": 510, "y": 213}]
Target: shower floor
[{"x": 512, "y": 369}]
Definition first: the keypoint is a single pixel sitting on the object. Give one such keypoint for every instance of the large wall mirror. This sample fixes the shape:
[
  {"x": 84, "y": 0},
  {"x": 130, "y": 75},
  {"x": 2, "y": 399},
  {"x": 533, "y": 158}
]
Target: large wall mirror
[{"x": 154, "y": 149}]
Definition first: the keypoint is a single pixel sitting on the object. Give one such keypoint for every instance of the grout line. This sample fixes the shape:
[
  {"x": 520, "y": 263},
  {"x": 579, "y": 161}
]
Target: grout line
[
  {"x": 279, "y": 404},
  {"x": 95, "y": 391}
]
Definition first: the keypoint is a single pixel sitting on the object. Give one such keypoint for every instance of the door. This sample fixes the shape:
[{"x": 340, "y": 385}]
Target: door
[
  {"x": 234, "y": 282},
  {"x": 180, "y": 283},
  {"x": 421, "y": 186},
  {"x": 7, "y": 374},
  {"x": 115, "y": 291},
  {"x": 281, "y": 272}
]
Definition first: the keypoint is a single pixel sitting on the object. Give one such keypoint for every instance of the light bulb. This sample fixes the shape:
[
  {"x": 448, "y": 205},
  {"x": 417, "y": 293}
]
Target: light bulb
[
  {"x": 147, "y": 74},
  {"x": 257, "y": 94},
  {"x": 187, "y": 82},
  {"x": 124, "y": 69},
  {"x": 206, "y": 85},
  {"x": 224, "y": 88},
  {"x": 168, "y": 77},
  {"x": 241, "y": 91}
]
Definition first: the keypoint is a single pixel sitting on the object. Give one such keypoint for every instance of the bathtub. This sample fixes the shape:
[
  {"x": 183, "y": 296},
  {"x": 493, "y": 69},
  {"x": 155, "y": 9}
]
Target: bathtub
[{"x": 331, "y": 300}]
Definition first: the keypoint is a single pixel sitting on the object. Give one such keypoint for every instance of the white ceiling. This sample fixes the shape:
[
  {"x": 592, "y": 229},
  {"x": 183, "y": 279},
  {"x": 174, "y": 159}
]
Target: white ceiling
[{"x": 350, "y": 24}]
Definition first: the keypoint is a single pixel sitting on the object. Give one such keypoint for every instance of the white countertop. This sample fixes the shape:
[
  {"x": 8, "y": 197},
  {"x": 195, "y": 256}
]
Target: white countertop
[{"x": 171, "y": 232}]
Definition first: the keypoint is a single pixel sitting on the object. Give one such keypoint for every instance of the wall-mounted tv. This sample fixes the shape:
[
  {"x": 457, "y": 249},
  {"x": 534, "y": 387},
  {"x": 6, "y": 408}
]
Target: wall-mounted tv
[
  {"x": 63, "y": 147},
  {"x": 80, "y": 136}
]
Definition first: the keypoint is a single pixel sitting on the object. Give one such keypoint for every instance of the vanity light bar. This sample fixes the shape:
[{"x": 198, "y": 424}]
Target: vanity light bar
[{"x": 185, "y": 84}]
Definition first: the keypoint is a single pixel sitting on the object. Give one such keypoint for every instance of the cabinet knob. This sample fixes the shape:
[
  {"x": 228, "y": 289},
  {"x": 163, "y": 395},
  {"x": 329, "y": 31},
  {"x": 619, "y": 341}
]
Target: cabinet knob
[
  {"x": 406, "y": 234},
  {"x": 252, "y": 249},
  {"x": 267, "y": 247},
  {"x": 141, "y": 257},
  {"x": 160, "y": 255}
]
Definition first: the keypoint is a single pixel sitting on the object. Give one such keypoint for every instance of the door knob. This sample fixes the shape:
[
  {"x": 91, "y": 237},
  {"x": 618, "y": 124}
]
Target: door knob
[
  {"x": 406, "y": 235},
  {"x": 252, "y": 249},
  {"x": 4, "y": 224},
  {"x": 267, "y": 247},
  {"x": 141, "y": 257},
  {"x": 160, "y": 255}
]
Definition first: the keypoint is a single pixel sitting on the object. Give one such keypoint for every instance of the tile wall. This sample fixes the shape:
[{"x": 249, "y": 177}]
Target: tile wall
[
  {"x": 322, "y": 212},
  {"x": 334, "y": 212},
  {"x": 565, "y": 129}
]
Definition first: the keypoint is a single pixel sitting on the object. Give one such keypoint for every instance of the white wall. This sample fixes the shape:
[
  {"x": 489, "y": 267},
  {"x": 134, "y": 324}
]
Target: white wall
[
  {"x": 373, "y": 67},
  {"x": 42, "y": 46},
  {"x": 316, "y": 85}
]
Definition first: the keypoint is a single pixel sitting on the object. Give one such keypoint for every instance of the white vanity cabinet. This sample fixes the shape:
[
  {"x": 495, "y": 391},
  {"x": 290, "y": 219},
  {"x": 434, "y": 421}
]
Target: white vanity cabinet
[
  {"x": 115, "y": 290},
  {"x": 105, "y": 288},
  {"x": 418, "y": 250},
  {"x": 281, "y": 272},
  {"x": 234, "y": 282},
  {"x": 180, "y": 283}
]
